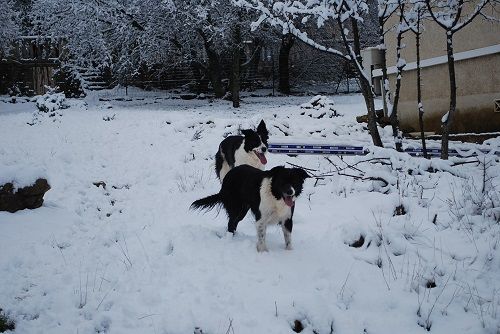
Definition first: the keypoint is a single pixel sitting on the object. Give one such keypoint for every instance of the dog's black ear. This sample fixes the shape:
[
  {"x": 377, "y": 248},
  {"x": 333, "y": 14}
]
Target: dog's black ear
[
  {"x": 262, "y": 130},
  {"x": 302, "y": 173},
  {"x": 247, "y": 132}
]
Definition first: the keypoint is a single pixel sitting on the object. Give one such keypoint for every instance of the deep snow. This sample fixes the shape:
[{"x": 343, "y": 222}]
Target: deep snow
[{"x": 131, "y": 258}]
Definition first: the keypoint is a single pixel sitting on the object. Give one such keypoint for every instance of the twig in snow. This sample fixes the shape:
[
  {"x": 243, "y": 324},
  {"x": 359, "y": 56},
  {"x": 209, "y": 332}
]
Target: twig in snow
[
  {"x": 60, "y": 248},
  {"x": 230, "y": 328},
  {"x": 147, "y": 316},
  {"x": 105, "y": 295},
  {"x": 444, "y": 310},
  {"x": 304, "y": 168},
  {"x": 83, "y": 299},
  {"x": 342, "y": 289},
  {"x": 124, "y": 252}
]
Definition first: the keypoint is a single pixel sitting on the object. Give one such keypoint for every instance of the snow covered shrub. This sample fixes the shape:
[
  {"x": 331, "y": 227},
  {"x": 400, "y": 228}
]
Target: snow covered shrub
[
  {"x": 14, "y": 90},
  {"x": 318, "y": 107},
  {"x": 477, "y": 197},
  {"x": 189, "y": 181},
  {"x": 468, "y": 201},
  {"x": 6, "y": 324},
  {"x": 49, "y": 104},
  {"x": 69, "y": 81}
]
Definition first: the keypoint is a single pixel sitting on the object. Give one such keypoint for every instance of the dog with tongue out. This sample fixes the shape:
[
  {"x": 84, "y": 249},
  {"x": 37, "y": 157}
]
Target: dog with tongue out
[
  {"x": 248, "y": 149},
  {"x": 270, "y": 195}
]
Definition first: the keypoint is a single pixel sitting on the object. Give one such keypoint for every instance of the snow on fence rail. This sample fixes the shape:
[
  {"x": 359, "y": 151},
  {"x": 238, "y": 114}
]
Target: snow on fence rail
[{"x": 328, "y": 149}]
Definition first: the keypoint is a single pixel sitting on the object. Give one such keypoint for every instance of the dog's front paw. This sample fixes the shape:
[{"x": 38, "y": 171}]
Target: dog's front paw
[
  {"x": 262, "y": 248},
  {"x": 288, "y": 247}
]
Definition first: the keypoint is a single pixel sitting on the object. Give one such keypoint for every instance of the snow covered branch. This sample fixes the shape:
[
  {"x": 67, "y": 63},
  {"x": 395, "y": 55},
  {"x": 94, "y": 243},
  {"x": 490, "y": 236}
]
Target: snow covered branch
[
  {"x": 344, "y": 15},
  {"x": 449, "y": 14},
  {"x": 9, "y": 25}
]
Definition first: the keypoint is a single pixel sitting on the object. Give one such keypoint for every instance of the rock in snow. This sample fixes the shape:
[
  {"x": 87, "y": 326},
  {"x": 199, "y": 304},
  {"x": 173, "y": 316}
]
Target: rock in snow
[{"x": 29, "y": 197}]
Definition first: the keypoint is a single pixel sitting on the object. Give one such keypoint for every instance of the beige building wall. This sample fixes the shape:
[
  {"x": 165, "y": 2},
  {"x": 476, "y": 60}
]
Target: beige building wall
[{"x": 478, "y": 78}]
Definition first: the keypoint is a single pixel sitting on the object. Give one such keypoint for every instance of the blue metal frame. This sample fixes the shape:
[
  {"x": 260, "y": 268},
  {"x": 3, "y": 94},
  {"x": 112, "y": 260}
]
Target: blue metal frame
[{"x": 326, "y": 149}]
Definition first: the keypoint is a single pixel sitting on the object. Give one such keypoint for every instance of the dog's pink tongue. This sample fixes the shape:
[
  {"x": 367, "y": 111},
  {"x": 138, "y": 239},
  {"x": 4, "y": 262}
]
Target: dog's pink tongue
[
  {"x": 262, "y": 158},
  {"x": 288, "y": 200}
]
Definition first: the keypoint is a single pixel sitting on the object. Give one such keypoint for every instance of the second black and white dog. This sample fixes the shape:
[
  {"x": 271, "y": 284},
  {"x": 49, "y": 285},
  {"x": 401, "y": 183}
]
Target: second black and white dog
[
  {"x": 270, "y": 195},
  {"x": 249, "y": 149}
]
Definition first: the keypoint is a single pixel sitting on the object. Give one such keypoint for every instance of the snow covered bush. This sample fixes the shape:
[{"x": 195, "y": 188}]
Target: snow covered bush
[
  {"x": 190, "y": 180},
  {"x": 319, "y": 107},
  {"x": 470, "y": 201},
  {"x": 69, "y": 81},
  {"x": 6, "y": 324},
  {"x": 9, "y": 25},
  {"x": 50, "y": 104}
]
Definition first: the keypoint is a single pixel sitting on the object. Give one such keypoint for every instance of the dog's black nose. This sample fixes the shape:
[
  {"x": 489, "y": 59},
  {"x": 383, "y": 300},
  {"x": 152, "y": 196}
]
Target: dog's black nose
[
  {"x": 264, "y": 149},
  {"x": 289, "y": 192}
]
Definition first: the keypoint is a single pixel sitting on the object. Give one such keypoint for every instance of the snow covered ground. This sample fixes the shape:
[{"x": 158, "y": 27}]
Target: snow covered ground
[{"x": 127, "y": 255}]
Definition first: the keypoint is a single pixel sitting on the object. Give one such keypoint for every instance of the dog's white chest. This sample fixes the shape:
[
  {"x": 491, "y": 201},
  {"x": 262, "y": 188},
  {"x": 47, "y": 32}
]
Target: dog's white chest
[
  {"x": 242, "y": 157},
  {"x": 273, "y": 211}
]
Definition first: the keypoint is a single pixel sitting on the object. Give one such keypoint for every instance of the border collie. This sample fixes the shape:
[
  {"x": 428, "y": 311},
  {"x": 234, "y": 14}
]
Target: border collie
[
  {"x": 269, "y": 194},
  {"x": 249, "y": 149}
]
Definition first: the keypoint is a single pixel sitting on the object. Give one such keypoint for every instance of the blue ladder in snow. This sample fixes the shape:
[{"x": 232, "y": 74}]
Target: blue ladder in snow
[
  {"x": 325, "y": 149},
  {"x": 316, "y": 149}
]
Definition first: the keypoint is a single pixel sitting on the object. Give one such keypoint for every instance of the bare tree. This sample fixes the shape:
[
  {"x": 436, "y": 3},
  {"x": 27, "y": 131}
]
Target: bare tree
[
  {"x": 386, "y": 9},
  {"x": 287, "y": 42},
  {"x": 452, "y": 16},
  {"x": 413, "y": 19},
  {"x": 345, "y": 14},
  {"x": 402, "y": 27},
  {"x": 235, "y": 70}
]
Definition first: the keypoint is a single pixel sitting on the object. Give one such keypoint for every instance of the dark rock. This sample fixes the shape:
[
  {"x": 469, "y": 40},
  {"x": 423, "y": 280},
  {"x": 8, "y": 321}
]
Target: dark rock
[
  {"x": 358, "y": 243},
  {"x": 30, "y": 197},
  {"x": 430, "y": 284},
  {"x": 399, "y": 210},
  {"x": 297, "y": 326},
  {"x": 100, "y": 184}
]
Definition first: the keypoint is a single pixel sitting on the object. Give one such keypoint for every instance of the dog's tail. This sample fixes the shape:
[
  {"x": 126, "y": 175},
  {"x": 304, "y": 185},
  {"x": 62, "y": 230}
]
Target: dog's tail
[{"x": 207, "y": 203}]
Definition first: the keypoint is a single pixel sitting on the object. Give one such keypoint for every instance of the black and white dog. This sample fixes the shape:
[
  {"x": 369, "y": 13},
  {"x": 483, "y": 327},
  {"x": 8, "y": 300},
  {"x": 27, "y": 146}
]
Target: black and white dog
[
  {"x": 249, "y": 149},
  {"x": 269, "y": 194}
]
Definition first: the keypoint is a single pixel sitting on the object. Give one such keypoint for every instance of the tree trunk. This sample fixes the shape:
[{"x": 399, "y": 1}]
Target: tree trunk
[
  {"x": 368, "y": 95},
  {"x": 214, "y": 71},
  {"x": 214, "y": 67},
  {"x": 199, "y": 74},
  {"x": 253, "y": 68},
  {"x": 366, "y": 86},
  {"x": 419, "y": 89},
  {"x": 393, "y": 117},
  {"x": 235, "y": 73},
  {"x": 287, "y": 42},
  {"x": 447, "y": 120},
  {"x": 386, "y": 89},
  {"x": 197, "y": 69}
]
